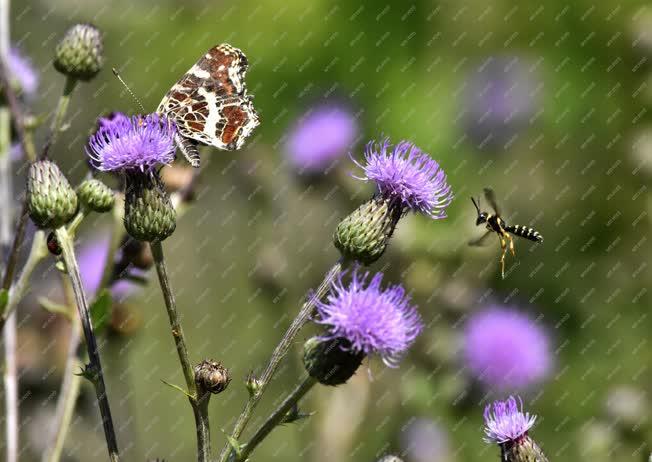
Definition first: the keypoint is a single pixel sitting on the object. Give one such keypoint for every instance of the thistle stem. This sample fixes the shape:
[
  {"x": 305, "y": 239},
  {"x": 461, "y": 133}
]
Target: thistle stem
[
  {"x": 60, "y": 113},
  {"x": 117, "y": 233},
  {"x": 276, "y": 417},
  {"x": 95, "y": 364},
  {"x": 70, "y": 386},
  {"x": 199, "y": 404},
  {"x": 279, "y": 354}
]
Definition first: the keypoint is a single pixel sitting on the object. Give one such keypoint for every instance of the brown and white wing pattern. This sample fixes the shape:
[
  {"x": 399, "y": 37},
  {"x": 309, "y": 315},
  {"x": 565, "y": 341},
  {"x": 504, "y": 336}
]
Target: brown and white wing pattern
[{"x": 210, "y": 104}]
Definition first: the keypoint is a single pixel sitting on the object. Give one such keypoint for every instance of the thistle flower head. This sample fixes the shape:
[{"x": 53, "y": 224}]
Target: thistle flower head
[
  {"x": 505, "y": 422},
  {"x": 79, "y": 54},
  {"x": 211, "y": 376},
  {"x": 370, "y": 318},
  {"x": 408, "y": 176},
  {"x": 95, "y": 196},
  {"x": 51, "y": 201},
  {"x": 22, "y": 72},
  {"x": 136, "y": 143},
  {"x": 149, "y": 214},
  {"x": 506, "y": 349},
  {"x": 321, "y": 136}
]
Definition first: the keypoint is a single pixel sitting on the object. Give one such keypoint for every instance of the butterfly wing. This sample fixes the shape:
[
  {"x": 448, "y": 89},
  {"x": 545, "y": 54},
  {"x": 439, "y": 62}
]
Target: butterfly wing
[{"x": 210, "y": 103}]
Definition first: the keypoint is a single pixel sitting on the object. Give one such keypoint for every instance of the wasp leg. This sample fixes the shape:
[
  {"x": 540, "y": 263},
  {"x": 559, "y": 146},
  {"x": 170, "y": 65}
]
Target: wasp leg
[
  {"x": 503, "y": 246},
  {"x": 511, "y": 244}
]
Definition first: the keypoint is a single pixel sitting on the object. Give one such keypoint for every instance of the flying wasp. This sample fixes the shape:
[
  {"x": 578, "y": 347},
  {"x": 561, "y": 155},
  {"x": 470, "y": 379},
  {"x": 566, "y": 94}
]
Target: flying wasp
[{"x": 495, "y": 224}]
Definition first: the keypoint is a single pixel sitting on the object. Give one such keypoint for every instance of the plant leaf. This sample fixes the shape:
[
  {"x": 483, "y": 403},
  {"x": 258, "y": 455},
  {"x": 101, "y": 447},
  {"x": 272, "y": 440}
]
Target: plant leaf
[
  {"x": 235, "y": 445},
  {"x": 178, "y": 388},
  {"x": 101, "y": 310}
]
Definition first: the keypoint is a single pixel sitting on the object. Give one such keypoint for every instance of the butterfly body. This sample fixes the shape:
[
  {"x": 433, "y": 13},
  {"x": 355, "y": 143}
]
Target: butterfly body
[{"x": 210, "y": 104}]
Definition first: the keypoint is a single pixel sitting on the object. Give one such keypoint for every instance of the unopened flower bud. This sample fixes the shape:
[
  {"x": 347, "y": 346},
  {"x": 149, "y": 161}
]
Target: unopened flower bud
[
  {"x": 79, "y": 54},
  {"x": 149, "y": 215},
  {"x": 523, "y": 449},
  {"x": 331, "y": 362},
  {"x": 253, "y": 384},
  {"x": 51, "y": 201},
  {"x": 364, "y": 234},
  {"x": 96, "y": 196},
  {"x": 211, "y": 377}
]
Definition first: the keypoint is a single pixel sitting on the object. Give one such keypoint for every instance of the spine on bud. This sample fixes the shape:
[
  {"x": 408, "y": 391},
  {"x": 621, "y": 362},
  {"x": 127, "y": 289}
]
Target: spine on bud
[
  {"x": 364, "y": 234},
  {"x": 51, "y": 201},
  {"x": 149, "y": 214},
  {"x": 330, "y": 362}
]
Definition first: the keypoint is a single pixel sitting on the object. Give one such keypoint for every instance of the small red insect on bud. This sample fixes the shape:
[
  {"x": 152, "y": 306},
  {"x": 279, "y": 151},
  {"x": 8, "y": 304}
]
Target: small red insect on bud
[{"x": 53, "y": 244}]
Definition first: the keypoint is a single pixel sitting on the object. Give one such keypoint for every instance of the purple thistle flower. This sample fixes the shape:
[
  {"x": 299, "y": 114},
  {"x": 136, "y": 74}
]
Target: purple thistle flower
[
  {"x": 136, "y": 143},
  {"x": 320, "y": 137},
  {"x": 22, "y": 70},
  {"x": 506, "y": 423},
  {"x": 506, "y": 349},
  {"x": 424, "y": 440},
  {"x": 409, "y": 176},
  {"x": 373, "y": 320}
]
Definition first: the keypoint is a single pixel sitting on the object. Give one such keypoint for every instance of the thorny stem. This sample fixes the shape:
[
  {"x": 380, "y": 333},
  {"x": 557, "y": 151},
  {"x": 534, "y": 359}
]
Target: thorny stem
[
  {"x": 279, "y": 354},
  {"x": 199, "y": 404},
  {"x": 95, "y": 365},
  {"x": 70, "y": 386},
  {"x": 277, "y": 416}
]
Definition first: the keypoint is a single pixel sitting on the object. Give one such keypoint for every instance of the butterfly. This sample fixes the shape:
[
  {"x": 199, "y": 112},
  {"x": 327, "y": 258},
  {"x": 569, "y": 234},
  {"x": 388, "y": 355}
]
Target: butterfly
[{"x": 210, "y": 105}]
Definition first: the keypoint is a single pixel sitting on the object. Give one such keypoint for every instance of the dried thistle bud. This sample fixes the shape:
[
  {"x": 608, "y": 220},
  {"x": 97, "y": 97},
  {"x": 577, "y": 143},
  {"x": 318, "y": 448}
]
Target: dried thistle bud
[
  {"x": 211, "y": 376},
  {"x": 331, "y": 362},
  {"x": 79, "y": 54},
  {"x": 364, "y": 234},
  {"x": 149, "y": 214},
  {"x": 51, "y": 201},
  {"x": 96, "y": 196}
]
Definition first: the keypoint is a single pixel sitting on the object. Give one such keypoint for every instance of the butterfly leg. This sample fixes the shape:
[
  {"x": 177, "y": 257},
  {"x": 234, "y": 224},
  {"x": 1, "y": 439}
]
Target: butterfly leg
[
  {"x": 189, "y": 149},
  {"x": 503, "y": 246}
]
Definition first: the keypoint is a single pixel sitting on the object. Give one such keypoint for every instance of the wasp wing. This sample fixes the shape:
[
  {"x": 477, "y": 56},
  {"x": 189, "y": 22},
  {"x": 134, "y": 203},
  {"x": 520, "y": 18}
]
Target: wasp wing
[
  {"x": 490, "y": 195},
  {"x": 480, "y": 241}
]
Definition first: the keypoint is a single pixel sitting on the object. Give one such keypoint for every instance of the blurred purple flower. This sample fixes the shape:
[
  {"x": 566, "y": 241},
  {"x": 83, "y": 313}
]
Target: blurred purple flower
[
  {"x": 321, "y": 136},
  {"x": 136, "y": 143},
  {"x": 423, "y": 440},
  {"x": 506, "y": 423},
  {"x": 408, "y": 176},
  {"x": 499, "y": 101},
  {"x": 92, "y": 258},
  {"x": 373, "y": 320},
  {"x": 506, "y": 349},
  {"x": 22, "y": 71}
]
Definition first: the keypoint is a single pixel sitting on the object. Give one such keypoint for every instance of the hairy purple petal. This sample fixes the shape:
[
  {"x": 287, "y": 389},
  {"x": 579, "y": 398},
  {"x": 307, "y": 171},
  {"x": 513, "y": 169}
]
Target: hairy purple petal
[
  {"x": 136, "y": 143},
  {"x": 505, "y": 422},
  {"x": 372, "y": 319},
  {"x": 406, "y": 174}
]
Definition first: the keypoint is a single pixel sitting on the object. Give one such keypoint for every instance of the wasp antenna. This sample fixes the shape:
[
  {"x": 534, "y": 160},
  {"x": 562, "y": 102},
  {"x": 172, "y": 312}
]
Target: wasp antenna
[
  {"x": 477, "y": 206},
  {"x": 117, "y": 74}
]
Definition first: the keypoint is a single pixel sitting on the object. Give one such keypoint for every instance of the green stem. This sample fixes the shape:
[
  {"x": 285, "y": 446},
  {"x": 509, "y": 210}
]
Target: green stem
[
  {"x": 199, "y": 403},
  {"x": 95, "y": 365},
  {"x": 37, "y": 253},
  {"x": 60, "y": 113},
  {"x": 76, "y": 221},
  {"x": 279, "y": 354},
  {"x": 276, "y": 417}
]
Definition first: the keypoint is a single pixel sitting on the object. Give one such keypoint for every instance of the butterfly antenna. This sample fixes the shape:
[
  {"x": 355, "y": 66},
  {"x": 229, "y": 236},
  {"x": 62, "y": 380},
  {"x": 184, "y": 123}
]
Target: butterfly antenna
[{"x": 117, "y": 74}]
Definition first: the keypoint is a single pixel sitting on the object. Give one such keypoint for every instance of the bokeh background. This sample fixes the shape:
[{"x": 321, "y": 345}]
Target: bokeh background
[{"x": 547, "y": 102}]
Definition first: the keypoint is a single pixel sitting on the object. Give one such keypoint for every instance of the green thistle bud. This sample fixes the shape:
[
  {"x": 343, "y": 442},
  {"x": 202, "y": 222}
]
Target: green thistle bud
[
  {"x": 211, "y": 377},
  {"x": 523, "y": 449},
  {"x": 364, "y": 234},
  {"x": 390, "y": 459},
  {"x": 79, "y": 53},
  {"x": 253, "y": 384},
  {"x": 149, "y": 215},
  {"x": 331, "y": 362},
  {"x": 51, "y": 201},
  {"x": 95, "y": 196}
]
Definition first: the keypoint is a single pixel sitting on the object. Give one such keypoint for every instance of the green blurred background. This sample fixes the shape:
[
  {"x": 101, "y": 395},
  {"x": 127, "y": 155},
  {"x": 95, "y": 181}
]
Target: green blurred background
[{"x": 258, "y": 237}]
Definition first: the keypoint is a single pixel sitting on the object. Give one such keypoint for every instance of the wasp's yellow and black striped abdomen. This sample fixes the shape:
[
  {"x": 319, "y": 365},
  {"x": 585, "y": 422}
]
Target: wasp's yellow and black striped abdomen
[{"x": 524, "y": 231}]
